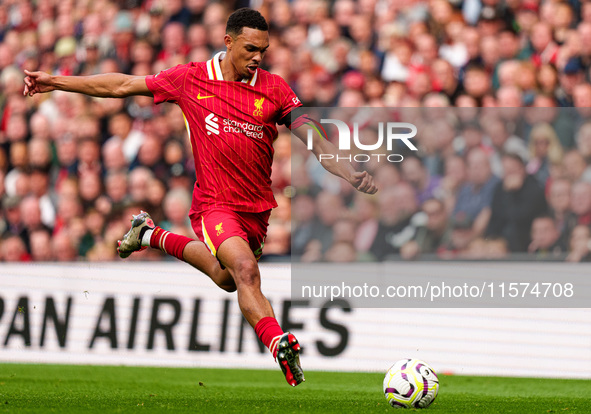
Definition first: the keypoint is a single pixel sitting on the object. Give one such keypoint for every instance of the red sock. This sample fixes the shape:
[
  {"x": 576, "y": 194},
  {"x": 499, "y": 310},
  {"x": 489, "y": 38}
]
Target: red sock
[
  {"x": 169, "y": 243},
  {"x": 268, "y": 331}
]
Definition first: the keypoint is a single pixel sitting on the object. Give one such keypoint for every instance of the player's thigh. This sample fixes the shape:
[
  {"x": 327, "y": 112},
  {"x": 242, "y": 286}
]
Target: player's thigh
[{"x": 236, "y": 254}]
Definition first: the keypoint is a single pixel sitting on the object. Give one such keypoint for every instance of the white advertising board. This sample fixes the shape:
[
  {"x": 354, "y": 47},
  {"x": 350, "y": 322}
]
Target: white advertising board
[{"x": 168, "y": 314}]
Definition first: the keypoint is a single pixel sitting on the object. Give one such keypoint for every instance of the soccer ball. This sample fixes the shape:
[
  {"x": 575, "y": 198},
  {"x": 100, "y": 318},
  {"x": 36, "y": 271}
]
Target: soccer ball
[{"x": 410, "y": 383}]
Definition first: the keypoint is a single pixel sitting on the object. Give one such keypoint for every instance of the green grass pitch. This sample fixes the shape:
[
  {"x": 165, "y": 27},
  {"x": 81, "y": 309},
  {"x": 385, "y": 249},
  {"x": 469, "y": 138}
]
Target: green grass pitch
[{"x": 26, "y": 388}]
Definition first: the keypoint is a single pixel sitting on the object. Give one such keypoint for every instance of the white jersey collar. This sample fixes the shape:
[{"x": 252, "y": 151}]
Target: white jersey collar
[{"x": 214, "y": 71}]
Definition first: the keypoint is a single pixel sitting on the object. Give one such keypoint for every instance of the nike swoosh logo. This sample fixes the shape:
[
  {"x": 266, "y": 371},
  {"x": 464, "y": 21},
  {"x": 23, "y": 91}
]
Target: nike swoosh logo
[{"x": 204, "y": 97}]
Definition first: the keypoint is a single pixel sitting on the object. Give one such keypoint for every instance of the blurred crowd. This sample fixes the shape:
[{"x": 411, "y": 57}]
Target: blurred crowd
[
  {"x": 73, "y": 169},
  {"x": 484, "y": 183}
]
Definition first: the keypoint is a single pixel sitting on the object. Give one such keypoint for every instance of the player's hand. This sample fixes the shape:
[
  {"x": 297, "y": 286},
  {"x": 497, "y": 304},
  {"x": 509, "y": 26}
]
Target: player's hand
[
  {"x": 37, "y": 82},
  {"x": 363, "y": 181}
]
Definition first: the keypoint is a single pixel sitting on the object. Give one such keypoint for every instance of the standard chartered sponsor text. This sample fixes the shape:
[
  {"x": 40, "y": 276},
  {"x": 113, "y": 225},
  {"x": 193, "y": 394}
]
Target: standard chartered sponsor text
[{"x": 248, "y": 129}]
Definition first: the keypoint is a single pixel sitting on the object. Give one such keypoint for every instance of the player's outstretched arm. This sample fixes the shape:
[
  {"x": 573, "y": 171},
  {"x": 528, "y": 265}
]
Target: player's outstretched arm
[
  {"x": 108, "y": 85},
  {"x": 341, "y": 167}
]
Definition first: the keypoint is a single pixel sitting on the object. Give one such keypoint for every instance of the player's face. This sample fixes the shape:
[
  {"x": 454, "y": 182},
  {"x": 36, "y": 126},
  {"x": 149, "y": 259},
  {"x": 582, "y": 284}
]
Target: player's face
[{"x": 246, "y": 51}]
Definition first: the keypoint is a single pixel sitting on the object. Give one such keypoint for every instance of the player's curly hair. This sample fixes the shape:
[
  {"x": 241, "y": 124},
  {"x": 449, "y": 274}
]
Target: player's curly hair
[{"x": 245, "y": 17}]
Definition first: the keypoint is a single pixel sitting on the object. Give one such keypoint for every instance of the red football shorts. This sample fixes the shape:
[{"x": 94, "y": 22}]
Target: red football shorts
[{"x": 214, "y": 226}]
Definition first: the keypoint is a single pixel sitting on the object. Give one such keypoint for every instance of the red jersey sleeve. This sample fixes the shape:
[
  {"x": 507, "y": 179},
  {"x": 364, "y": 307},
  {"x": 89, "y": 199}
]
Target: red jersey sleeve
[
  {"x": 289, "y": 101},
  {"x": 167, "y": 86}
]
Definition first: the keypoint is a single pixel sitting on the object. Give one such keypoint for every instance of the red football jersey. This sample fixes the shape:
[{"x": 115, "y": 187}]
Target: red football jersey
[{"x": 232, "y": 126}]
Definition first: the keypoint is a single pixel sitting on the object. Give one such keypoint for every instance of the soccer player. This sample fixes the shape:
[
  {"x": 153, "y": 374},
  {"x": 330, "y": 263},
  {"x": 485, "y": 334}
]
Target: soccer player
[{"x": 231, "y": 107}]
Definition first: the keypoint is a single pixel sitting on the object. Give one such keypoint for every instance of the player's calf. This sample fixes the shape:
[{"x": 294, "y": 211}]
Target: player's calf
[{"x": 144, "y": 233}]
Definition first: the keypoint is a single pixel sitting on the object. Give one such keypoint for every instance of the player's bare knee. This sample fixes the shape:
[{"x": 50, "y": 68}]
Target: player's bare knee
[{"x": 246, "y": 273}]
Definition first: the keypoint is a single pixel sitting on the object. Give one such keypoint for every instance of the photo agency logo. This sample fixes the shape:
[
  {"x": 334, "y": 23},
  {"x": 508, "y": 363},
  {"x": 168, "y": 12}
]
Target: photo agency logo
[{"x": 392, "y": 133}]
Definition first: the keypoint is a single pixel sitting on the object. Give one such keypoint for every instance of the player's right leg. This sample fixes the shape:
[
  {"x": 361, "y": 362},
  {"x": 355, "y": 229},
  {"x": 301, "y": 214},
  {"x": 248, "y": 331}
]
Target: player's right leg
[
  {"x": 198, "y": 255},
  {"x": 193, "y": 252},
  {"x": 241, "y": 274}
]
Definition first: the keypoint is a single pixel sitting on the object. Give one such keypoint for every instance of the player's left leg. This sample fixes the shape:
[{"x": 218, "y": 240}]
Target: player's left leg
[
  {"x": 238, "y": 258},
  {"x": 236, "y": 255},
  {"x": 241, "y": 271}
]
